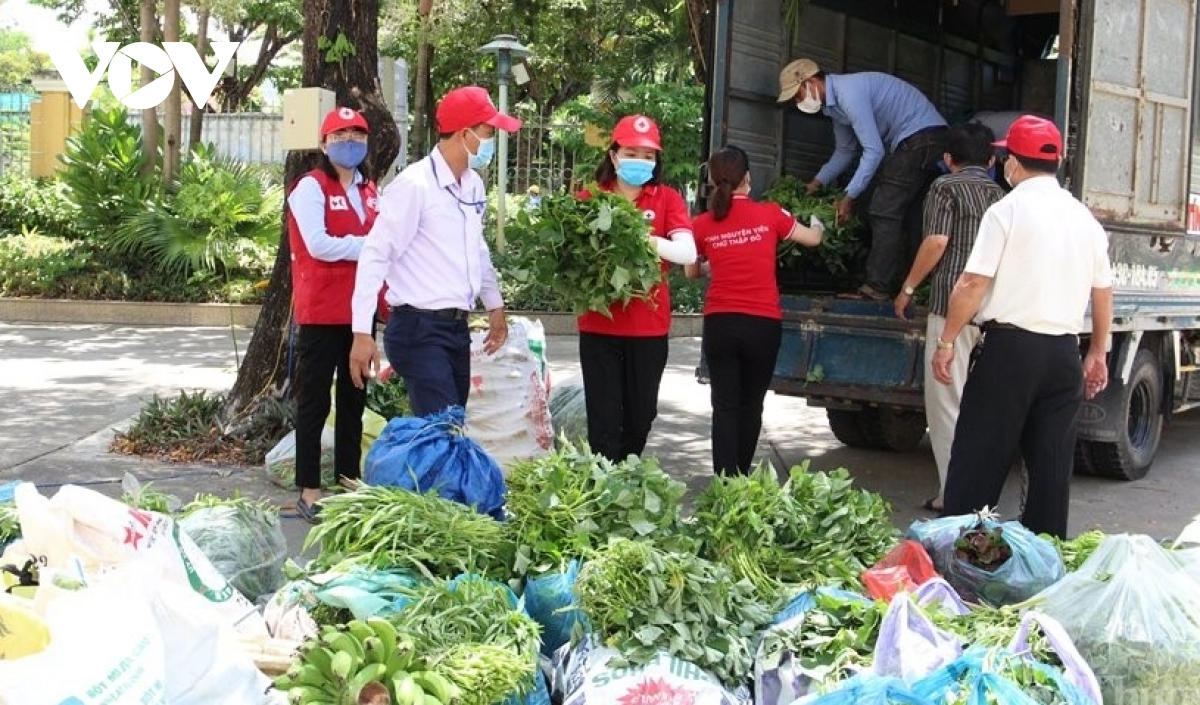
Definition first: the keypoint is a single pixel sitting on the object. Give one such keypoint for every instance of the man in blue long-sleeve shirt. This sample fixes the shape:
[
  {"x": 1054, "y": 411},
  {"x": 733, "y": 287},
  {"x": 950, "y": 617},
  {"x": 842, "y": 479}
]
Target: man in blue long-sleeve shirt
[{"x": 902, "y": 137}]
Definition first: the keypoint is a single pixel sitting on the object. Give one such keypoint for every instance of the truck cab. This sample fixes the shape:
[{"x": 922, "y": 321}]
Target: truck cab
[{"x": 1119, "y": 79}]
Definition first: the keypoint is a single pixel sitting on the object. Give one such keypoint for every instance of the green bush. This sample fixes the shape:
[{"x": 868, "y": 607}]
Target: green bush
[
  {"x": 32, "y": 264},
  {"x": 36, "y": 205}
]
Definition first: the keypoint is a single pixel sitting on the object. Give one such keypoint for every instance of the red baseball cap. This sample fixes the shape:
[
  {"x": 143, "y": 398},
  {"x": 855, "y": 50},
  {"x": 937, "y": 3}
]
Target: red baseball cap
[
  {"x": 470, "y": 106},
  {"x": 1033, "y": 137},
  {"x": 637, "y": 131},
  {"x": 342, "y": 118}
]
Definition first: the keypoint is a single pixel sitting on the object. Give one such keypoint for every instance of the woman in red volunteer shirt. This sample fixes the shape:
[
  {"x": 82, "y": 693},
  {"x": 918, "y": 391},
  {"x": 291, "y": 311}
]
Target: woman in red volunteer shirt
[
  {"x": 330, "y": 211},
  {"x": 622, "y": 356},
  {"x": 742, "y": 318}
]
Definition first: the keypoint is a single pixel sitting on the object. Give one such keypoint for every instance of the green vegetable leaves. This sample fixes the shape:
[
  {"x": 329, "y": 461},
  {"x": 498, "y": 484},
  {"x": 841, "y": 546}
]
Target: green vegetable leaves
[
  {"x": 842, "y": 245},
  {"x": 591, "y": 252}
]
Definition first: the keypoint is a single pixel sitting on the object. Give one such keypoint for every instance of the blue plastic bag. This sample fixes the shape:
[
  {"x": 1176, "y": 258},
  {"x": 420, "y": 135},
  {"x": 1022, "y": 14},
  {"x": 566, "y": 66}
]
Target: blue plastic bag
[
  {"x": 432, "y": 453},
  {"x": 365, "y": 591},
  {"x": 550, "y": 600},
  {"x": 1034, "y": 565},
  {"x": 868, "y": 689},
  {"x": 980, "y": 672}
]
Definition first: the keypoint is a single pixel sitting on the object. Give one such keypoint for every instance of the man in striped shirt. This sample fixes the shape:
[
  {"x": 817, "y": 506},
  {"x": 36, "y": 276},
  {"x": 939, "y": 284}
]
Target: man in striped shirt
[{"x": 953, "y": 209}]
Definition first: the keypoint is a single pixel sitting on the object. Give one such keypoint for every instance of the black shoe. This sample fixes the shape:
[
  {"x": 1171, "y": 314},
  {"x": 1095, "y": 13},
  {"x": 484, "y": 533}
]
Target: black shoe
[
  {"x": 310, "y": 513},
  {"x": 702, "y": 375}
]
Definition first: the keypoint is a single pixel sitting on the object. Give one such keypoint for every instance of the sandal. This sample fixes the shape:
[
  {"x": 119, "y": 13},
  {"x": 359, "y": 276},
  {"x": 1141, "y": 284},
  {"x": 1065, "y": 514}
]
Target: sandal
[
  {"x": 929, "y": 505},
  {"x": 310, "y": 513},
  {"x": 864, "y": 293}
]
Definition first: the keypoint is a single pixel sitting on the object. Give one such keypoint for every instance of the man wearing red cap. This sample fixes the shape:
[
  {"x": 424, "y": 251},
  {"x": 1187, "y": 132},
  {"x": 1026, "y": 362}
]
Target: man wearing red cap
[
  {"x": 330, "y": 211},
  {"x": 1039, "y": 258},
  {"x": 428, "y": 247}
]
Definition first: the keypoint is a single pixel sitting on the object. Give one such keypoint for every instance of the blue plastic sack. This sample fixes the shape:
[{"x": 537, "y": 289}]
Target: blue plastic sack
[
  {"x": 432, "y": 453},
  {"x": 366, "y": 591},
  {"x": 550, "y": 600},
  {"x": 978, "y": 674},
  {"x": 1034, "y": 565},
  {"x": 804, "y": 602},
  {"x": 868, "y": 689}
]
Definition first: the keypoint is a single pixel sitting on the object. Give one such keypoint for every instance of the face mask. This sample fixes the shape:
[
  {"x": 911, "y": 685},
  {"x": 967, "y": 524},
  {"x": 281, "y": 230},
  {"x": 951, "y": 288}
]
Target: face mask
[
  {"x": 483, "y": 156},
  {"x": 1007, "y": 173},
  {"x": 635, "y": 172},
  {"x": 347, "y": 155},
  {"x": 811, "y": 103}
]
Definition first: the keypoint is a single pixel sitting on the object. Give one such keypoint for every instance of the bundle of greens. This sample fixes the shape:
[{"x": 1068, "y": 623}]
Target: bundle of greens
[
  {"x": 388, "y": 397},
  {"x": 641, "y": 600},
  {"x": 1077, "y": 550},
  {"x": 814, "y": 530},
  {"x": 10, "y": 528},
  {"x": 387, "y": 527},
  {"x": 242, "y": 538},
  {"x": 593, "y": 252},
  {"x": 842, "y": 242},
  {"x": 570, "y": 502},
  {"x": 832, "y": 640},
  {"x": 991, "y": 628}
]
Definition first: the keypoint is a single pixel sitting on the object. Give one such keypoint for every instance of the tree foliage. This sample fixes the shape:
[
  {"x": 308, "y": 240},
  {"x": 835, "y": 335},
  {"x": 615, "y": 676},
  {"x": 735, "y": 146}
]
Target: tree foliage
[{"x": 18, "y": 60}]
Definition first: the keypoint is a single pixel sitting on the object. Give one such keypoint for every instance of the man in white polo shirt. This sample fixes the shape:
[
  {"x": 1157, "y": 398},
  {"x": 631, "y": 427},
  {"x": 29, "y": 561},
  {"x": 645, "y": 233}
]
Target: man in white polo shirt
[{"x": 1039, "y": 258}]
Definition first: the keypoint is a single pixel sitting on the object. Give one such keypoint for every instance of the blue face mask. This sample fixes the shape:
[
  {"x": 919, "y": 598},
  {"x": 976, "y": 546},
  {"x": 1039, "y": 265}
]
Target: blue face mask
[
  {"x": 348, "y": 154},
  {"x": 635, "y": 172},
  {"x": 483, "y": 156}
]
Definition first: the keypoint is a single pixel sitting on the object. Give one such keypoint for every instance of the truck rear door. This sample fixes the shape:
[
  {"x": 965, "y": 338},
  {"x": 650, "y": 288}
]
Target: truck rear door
[{"x": 1136, "y": 110}]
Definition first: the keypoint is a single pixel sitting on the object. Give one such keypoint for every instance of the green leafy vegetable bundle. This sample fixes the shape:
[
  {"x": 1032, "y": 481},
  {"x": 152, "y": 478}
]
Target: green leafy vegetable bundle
[
  {"x": 832, "y": 640},
  {"x": 388, "y": 527},
  {"x": 242, "y": 538},
  {"x": 814, "y": 530},
  {"x": 10, "y": 528},
  {"x": 841, "y": 244},
  {"x": 388, "y": 397},
  {"x": 592, "y": 252},
  {"x": 570, "y": 502},
  {"x": 641, "y": 600},
  {"x": 1077, "y": 550}
]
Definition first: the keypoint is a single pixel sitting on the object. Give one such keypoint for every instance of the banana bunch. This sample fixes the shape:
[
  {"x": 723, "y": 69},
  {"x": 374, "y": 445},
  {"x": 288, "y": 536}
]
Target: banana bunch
[{"x": 335, "y": 668}]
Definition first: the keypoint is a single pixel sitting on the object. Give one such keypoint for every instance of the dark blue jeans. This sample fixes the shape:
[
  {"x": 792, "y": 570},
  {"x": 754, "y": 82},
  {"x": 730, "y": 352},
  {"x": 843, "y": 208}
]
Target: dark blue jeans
[{"x": 433, "y": 355}]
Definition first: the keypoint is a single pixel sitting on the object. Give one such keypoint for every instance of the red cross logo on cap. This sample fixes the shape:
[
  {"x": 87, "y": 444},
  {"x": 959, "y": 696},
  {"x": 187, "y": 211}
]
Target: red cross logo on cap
[
  {"x": 346, "y": 113},
  {"x": 642, "y": 124}
]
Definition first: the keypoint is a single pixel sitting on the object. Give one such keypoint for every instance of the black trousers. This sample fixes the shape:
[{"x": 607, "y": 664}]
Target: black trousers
[
  {"x": 621, "y": 375},
  {"x": 900, "y": 180},
  {"x": 1022, "y": 396},
  {"x": 320, "y": 351},
  {"x": 741, "y": 352},
  {"x": 433, "y": 355}
]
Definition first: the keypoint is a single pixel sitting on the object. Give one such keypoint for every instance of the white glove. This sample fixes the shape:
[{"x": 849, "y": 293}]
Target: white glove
[{"x": 815, "y": 223}]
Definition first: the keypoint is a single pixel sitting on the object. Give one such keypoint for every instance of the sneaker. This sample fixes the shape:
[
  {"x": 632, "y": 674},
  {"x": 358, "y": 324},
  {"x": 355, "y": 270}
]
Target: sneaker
[{"x": 310, "y": 513}]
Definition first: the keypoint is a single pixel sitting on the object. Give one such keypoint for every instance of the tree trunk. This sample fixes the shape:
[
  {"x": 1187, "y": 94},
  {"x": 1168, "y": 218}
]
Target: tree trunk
[
  {"x": 148, "y": 34},
  {"x": 699, "y": 18},
  {"x": 355, "y": 80},
  {"x": 174, "y": 105},
  {"x": 421, "y": 82},
  {"x": 196, "y": 125}
]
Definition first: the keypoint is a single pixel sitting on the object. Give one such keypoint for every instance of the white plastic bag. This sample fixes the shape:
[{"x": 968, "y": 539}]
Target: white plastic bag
[
  {"x": 910, "y": 646},
  {"x": 105, "y": 649},
  {"x": 281, "y": 460},
  {"x": 582, "y": 676},
  {"x": 83, "y": 528},
  {"x": 508, "y": 406},
  {"x": 1075, "y": 668},
  {"x": 287, "y": 612}
]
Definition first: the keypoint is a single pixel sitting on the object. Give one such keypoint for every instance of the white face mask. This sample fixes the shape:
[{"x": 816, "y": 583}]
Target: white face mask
[
  {"x": 811, "y": 103},
  {"x": 1008, "y": 172}
]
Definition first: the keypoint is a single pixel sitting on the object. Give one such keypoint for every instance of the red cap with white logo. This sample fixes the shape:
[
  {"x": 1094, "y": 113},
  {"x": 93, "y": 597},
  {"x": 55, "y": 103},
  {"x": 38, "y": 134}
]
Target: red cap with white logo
[
  {"x": 343, "y": 118},
  {"x": 637, "y": 131}
]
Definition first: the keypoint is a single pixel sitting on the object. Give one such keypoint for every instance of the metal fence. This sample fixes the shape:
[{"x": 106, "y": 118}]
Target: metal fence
[
  {"x": 14, "y": 141},
  {"x": 253, "y": 138}
]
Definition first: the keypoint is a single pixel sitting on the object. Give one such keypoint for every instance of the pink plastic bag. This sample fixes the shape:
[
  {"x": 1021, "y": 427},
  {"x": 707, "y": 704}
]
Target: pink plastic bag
[{"x": 905, "y": 568}]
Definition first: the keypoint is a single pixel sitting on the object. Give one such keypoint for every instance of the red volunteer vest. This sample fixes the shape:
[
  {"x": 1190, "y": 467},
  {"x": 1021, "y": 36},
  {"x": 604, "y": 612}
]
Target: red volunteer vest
[{"x": 321, "y": 291}]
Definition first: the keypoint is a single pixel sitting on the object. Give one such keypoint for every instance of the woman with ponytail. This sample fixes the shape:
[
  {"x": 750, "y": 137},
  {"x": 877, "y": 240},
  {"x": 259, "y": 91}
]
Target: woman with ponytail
[{"x": 738, "y": 237}]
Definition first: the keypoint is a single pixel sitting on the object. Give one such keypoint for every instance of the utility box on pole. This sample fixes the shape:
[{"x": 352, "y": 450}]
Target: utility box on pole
[{"x": 303, "y": 111}]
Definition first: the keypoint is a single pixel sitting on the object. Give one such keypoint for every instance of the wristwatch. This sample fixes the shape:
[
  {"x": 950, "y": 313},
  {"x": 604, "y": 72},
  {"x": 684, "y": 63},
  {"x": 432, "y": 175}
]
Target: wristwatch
[
  {"x": 943, "y": 345},
  {"x": 909, "y": 291}
]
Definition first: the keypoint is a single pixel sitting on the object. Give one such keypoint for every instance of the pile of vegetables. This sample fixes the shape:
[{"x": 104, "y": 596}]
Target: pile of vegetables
[
  {"x": 10, "y": 528},
  {"x": 641, "y": 600},
  {"x": 1077, "y": 550},
  {"x": 591, "y": 252},
  {"x": 567, "y": 504},
  {"x": 386, "y": 527},
  {"x": 242, "y": 538},
  {"x": 388, "y": 397},
  {"x": 841, "y": 246},
  {"x": 814, "y": 530},
  {"x": 833, "y": 640}
]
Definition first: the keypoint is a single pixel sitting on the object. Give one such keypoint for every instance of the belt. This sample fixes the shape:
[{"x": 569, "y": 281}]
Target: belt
[
  {"x": 997, "y": 325},
  {"x": 923, "y": 132},
  {"x": 454, "y": 314}
]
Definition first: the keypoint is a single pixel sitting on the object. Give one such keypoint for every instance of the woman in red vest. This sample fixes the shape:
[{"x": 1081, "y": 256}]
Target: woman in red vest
[
  {"x": 742, "y": 317},
  {"x": 330, "y": 211},
  {"x": 622, "y": 356}
]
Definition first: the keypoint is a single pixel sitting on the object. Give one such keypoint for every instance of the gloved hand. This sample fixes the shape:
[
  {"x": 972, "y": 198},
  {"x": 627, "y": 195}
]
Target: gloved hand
[{"x": 815, "y": 223}]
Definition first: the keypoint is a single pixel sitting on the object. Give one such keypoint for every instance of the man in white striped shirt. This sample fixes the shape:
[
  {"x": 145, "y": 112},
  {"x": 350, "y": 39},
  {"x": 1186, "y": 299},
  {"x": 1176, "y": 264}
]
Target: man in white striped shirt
[{"x": 427, "y": 245}]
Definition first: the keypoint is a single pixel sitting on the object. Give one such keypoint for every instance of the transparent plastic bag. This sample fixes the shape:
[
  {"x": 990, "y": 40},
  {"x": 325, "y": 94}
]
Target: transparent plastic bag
[
  {"x": 245, "y": 543},
  {"x": 1134, "y": 614}
]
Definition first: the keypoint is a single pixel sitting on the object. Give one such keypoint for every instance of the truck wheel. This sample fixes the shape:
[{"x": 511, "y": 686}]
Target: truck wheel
[
  {"x": 893, "y": 429},
  {"x": 1141, "y": 397},
  {"x": 1083, "y": 459},
  {"x": 847, "y": 428}
]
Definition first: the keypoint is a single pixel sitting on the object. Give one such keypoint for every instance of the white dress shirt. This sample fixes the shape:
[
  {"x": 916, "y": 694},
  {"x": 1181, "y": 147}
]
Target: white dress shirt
[
  {"x": 307, "y": 204},
  {"x": 427, "y": 244}
]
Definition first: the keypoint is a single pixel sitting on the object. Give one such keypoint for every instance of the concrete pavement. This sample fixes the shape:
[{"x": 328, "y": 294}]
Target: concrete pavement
[{"x": 64, "y": 388}]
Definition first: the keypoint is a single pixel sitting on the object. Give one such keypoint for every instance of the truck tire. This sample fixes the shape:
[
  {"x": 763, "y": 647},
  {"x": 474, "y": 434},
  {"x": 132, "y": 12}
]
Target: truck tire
[
  {"x": 893, "y": 429},
  {"x": 847, "y": 427},
  {"x": 1141, "y": 398},
  {"x": 1083, "y": 459}
]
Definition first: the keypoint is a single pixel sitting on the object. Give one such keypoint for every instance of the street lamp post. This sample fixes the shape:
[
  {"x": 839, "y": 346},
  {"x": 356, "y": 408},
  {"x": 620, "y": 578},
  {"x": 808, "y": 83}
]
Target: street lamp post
[{"x": 505, "y": 48}]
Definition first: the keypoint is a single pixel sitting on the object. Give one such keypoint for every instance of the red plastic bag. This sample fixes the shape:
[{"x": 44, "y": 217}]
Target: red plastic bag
[{"x": 905, "y": 567}]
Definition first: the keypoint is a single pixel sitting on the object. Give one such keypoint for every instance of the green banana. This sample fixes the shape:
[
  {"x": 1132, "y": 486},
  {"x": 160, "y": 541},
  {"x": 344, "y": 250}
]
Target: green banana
[
  {"x": 307, "y": 695},
  {"x": 373, "y": 650},
  {"x": 399, "y": 661},
  {"x": 359, "y": 629},
  {"x": 385, "y": 631},
  {"x": 320, "y": 658},
  {"x": 342, "y": 666},
  {"x": 312, "y": 677},
  {"x": 407, "y": 691},
  {"x": 366, "y": 674},
  {"x": 346, "y": 643},
  {"x": 439, "y": 686}
]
